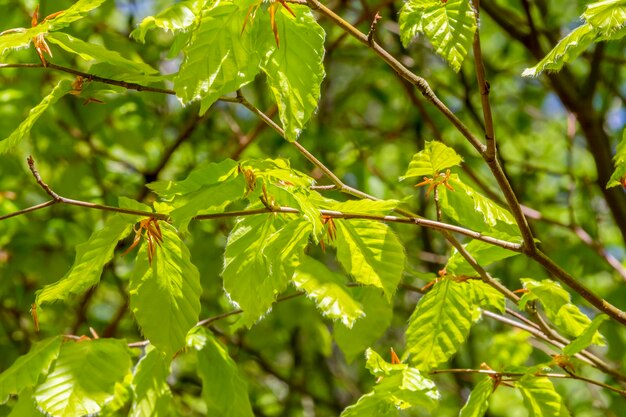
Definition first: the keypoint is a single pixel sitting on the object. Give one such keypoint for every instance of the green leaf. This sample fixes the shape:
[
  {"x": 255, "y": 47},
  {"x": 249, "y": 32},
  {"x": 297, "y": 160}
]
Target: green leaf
[
  {"x": 475, "y": 211},
  {"x": 371, "y": 253},
  {"x": 378, "y": 314},
  {"x": 83, "y": 378},
  {"x": 23, "y": 37},
  {"x": 620, "y": 163},
  {"x": 555, "y": 300},
  {"x": 259, "y": 261},
  {"x": 92, "y": 51},
  {"x": 449, "y": 26},
  {"x": 209, "y": 174},
  {"x": 478, "y": 401},
  {"x": 380, "y": 207},
  {"x": 219, "y": 59},
  {"x": 295, "y": 70},
  {"x": 484, "y": 253},
  {"x": 91, "y": 257},
  {"x": 401, "y": 387},
  {"x": 328, "y": 291},
  {"x": 607, "y": 16},
  {"x": 439, "y": 325},
  {"x": 485, "y": 296},
  {"x": 540, "y": 397},
  {"x": 28, "y": 369},
  {"x": 568, "y": 49},
  {"x": 432, "y": 160},
  {"x": 223, "y": 388},
  {"x": 587, "y": 337},
  {"x": 172, "y": 285},
  {"x": 25, "y": 406},
  {"x": 152, "y": 395},
  {"x": 61, "y": 89},
  {"x": 178, "y": 17},
  {"x": 208, "y": 199}
]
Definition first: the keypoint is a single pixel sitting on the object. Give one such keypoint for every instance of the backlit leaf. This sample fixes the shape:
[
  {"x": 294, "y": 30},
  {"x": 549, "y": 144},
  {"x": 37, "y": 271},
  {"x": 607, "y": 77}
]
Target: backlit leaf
[
  {"x": 449, "y": 25},
  {"x": 620, "y": 163},
  {"x": 259, "y": 261},
  {"x": 25, "y": 406},
  {"x": 485, "y": 296},
  {"x": 433, "y": 159},
  {"x": 587, "y": 337},
  {"x": 478, "y": 401},
  {"x": 83, "y": 378},
  {"x": 607, "y": 16},
  {"x": 540, "y": 397},
  {"x": 219, "y": 59},
  {"x": 91, "y": 257},
  {"x": 328, "y": 290},
  {"x": 28, "y": 369},
  {"x": 295, "y": 70},
  {"x": 61, "y": 89},
  {"x": 439, "y": 325},
  {"x": 371, "y": 253},
  {"x": 179, "y": 16},
  {"x": 172, "y": 283},
  {"x": 151, "y": 393},
  {"x": 224, "y": 389},
  {"x": 484, "y": 253}
]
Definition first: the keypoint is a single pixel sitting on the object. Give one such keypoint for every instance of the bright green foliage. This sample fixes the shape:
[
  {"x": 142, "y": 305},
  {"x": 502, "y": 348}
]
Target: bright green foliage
[
  {"x": 433, "y": 159},
  {"x": 328, "y": 290},
  {"x": 620, "y": 163},
  {"x": 540, "y": 397},
  {"x": 478, "y": 401},
  {"x": 371, "y": 253},
  {"x": 91, "y": 257},
  {"x": 223, "y": 388},
  {"x": 219, "y": 58},
  {"x": 172, "y": 283},
  {"x": 439, "y": 325},
  {"x": 23, "y": 38},
  {"x": 508, "y": 349},
  {"x": 587, "y": 337},
  {"x": 295, "y": 70},
  {"x": 259, "y": 261},
  {"x": 485, "y": 296},
  {"x": 378, "y": 314},
  {"x": 449, "y": 25},
  {"x": 202, "y": 176},
  {"x": 473, "y": 210},
  {"x": 483, "y": 253},
  {"x": 152, "y": 395},
  {"x": 61, "y": 89},
  {"x": 92, "y": 51},
  {"x": 401, "y": 387},
  {"x": 83, "y": 377},
  {"x": 25, "y": 406},
  {"x": 380, "y": 207},
  {"x": 556, "y": 302},
  {"x": 177, "y": 17},
  {"x": 605, "y": 20},
  {"x": 27, "y": 370}
]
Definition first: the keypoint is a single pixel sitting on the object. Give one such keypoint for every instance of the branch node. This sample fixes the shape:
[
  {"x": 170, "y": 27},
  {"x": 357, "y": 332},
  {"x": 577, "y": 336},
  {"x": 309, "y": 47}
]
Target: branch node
[{"x": 370, "y": 34}]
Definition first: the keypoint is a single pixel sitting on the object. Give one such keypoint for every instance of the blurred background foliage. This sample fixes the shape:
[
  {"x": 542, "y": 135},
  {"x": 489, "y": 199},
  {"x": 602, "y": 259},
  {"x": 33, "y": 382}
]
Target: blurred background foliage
[{"x": 368, "y": 125}]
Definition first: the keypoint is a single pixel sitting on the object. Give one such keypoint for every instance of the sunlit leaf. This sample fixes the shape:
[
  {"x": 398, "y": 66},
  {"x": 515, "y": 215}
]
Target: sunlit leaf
[
  {"x": 540, "y": 397},
  {"x": 478, "y": 401},
  {"x": 61, "y": 89},
  {"x": 586, "y": 338},
  {"x": 93, "y": 51},
  {"x": 482, "y": 252},
  {"x": 219, "y": 58},
  {"x": 91, "y": 257},
  {"x": 366, "y": 330},
  {"x": 376, "y": 207},
  {"x": 328, "y": 290},
  {"x": 619, "y": 160},
  {"x": 371, "y": 253},
  {"x": 25, "y": 406},
  {"x": 259, "y": 261},
  {"x": 607, "y": 16},
  {"x": 83, "y": 377},
  {"x": 433, "y": 159},
  {"x": 295, "y": 70},
  {"x": 449, "y": 25},
  {"x": 172, "y": 283},
  {"x": 224, "y": 389},
  {"x": 439, "y": 325},
  {"x": 28, "y": 369},
  {"x": 485, "y": 296},
  {"x": 205, "y": 175},
  {"x": 151, "y": 393},
  {"x": 177, "y": 17}
]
